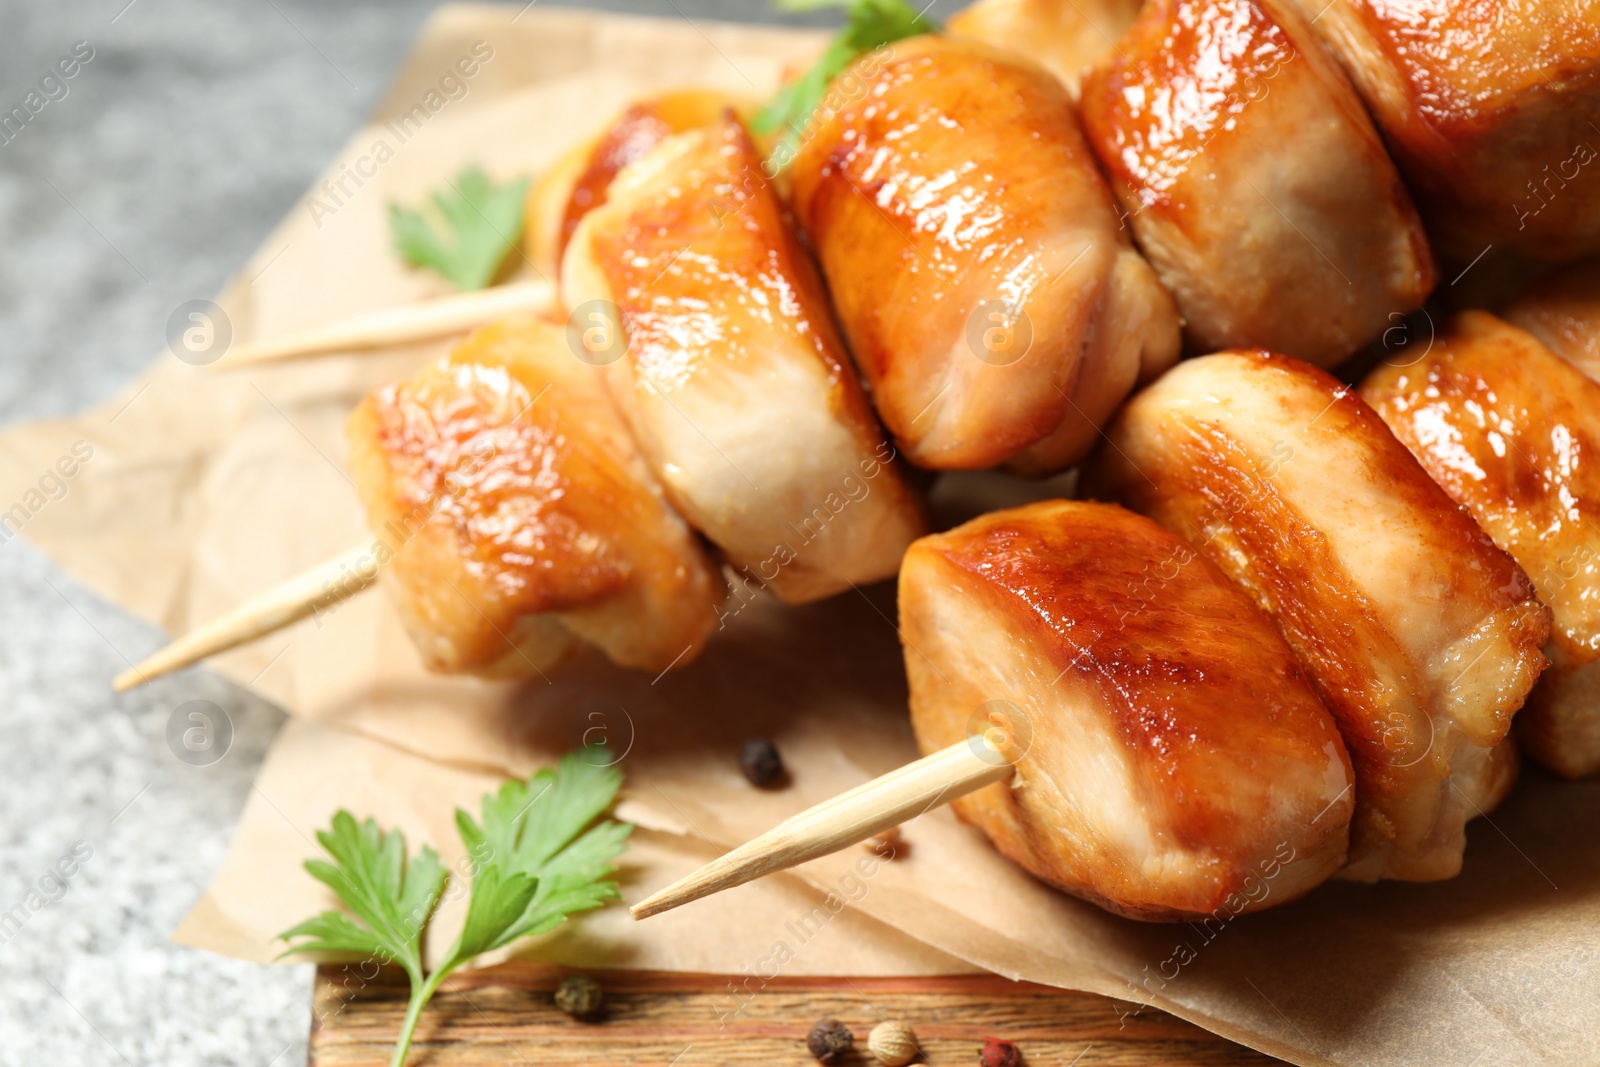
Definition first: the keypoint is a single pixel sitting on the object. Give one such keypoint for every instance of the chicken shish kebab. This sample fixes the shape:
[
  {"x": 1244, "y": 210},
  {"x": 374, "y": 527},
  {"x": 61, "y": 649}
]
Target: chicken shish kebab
[
  {"x": 1512, "y": 433},
  {"x": 530, "y": 520},
  {"x": 1181, "y": 726},
  {"x": 1422, "y": 636},
  {"x": 1562, "y": 309},
  {"x": 975, "y": 258},
  {"x": 730, "y": 374},
  {"x": 1171, "y": 754},
  {"x": 1066, "y": 37},
  {"x": 1490, "y": 110},
  {"x": 514, "y": 520},
  {"x": 710, "y": 319},
  {"x": 1254, "y": 182},
  {"x": 1152, "y": 747}
]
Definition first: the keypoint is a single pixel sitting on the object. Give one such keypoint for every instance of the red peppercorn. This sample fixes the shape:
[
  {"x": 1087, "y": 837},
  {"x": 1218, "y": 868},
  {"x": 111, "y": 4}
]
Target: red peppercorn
[{"x": 998, "y": 1053}]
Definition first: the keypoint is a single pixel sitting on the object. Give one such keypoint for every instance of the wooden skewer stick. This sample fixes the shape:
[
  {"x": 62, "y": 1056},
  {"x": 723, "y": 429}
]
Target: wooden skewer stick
[
  {"x": 288, "y": 602},
  {"x": 849, "y": 817},
  {"x": 398, "y": 325}
]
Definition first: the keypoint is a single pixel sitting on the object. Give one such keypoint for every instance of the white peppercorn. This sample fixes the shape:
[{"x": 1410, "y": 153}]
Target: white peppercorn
[{"x": 893, "y": 1043}]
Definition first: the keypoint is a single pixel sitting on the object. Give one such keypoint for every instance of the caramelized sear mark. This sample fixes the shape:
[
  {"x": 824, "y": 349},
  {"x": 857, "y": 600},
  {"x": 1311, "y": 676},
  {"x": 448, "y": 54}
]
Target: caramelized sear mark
[
  {"x": 516, "y": 490},
  {"x": 577, "y": 181},
  {"x": 636, "y": 133},
  {"x": 505, "y": 489},
  {"x": 632, "y": 137}
]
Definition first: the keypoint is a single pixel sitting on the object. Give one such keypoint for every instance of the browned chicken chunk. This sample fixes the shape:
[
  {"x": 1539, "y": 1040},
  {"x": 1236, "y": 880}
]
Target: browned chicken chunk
[
  {"x": 517, "y": 519},
  {"x": 1173, "y": 761},
  {"x": 1562, "y": 309},
  {"x": 1422, "y": 637},
  {"x": 1065, "y": 37},
  {"x": 576, "y": 183},
  {"x": 974, "y": 255},
  {"x": 1490, "y": 107},
  {"x": 720, "y": 349},
  {"x": 1512, "y": 433},
  {"x": 1254, "y": 181}
]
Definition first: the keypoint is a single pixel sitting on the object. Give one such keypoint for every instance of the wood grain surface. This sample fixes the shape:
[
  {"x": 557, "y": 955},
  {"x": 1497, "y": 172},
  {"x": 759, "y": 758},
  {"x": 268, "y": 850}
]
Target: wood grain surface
[{"x": 505, "y": 1015}]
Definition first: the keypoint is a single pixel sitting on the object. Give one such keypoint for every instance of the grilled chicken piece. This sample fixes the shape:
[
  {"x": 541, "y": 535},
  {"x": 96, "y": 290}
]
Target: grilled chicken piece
[
  {"x": 733, "y": 380},
  {"x": 975, "y": 259},
  {"x": 1065, "y": 37},
  {"x": 1422, "y": 637},
  {"x": 1254, "y": 182},
  {"x": 520, "y": 519},
  {"x": 1490, "y": 108},
  {"x": 576, "y": 183},
  {"x": 1512, "y": 433},
  {"x": 1175, "y": 762},
  {"x": 1562, "y": 309}
]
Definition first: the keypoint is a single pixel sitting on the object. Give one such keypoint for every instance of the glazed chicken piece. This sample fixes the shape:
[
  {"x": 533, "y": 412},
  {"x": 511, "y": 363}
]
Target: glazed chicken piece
[
  {"x": 1173, "y": 760},
  {"x": 1562, "y": 309},
  {"x": 1254, "y": 182},
  {"x": 733, "y": 379},
  {"x": 1065, "y": 37},
  {"x": 1490, "y": 108},
  {"x": 576, "y": 183},
  {"x": 975, "y": 258},
  {"x": 1512, "y": 433},
  {"x": 519, "y": 519},
  {"x": 1422, "y": 637}
]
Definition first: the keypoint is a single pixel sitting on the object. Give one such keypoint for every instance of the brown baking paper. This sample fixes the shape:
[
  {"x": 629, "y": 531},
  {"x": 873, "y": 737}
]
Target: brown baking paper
[{"x": 202, "y": 488}]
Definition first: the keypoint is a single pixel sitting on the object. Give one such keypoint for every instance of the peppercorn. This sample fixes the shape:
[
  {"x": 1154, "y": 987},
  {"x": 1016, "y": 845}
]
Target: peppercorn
[
  {"x": 888, "y": 845},
  {"x": 893, "y": 1043},
  {"x": 580, "y": 996},
  {"x": 760, "y": 762},
  {"x": 998, "y": 1053},
  {"x": 830, "y": 1041}
]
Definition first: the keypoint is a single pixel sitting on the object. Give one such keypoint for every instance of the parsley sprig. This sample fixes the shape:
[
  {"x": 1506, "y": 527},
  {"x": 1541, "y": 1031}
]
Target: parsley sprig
[
  {"x": 542, "y": 852},
  {"x": 473, "y": 223},
  {"x": 871, "y": 24}
]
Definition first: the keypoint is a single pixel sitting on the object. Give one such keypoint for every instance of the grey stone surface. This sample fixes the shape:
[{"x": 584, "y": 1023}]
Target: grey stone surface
[{"x": 189, "y": 133}]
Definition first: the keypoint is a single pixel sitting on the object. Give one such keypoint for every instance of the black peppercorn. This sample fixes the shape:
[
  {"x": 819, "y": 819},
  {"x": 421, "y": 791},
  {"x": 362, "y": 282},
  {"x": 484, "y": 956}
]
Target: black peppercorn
[
  {"x": 830, "y": 1041},
  {"x": 760, "y": 762},
  {"x": 579, "y": 996},
  {"x": 998, "y": 1053}
]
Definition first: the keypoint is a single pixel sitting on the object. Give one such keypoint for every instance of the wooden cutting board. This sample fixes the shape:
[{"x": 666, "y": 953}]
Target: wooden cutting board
[{"x": 505, "y": 1015}]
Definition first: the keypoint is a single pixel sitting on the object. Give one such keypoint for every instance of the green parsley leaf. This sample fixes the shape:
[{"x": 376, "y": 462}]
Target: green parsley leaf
[
  {"x": 871, "y": 24},
  {"x": 538, "y": 856},
  {"x": 498, "y": 900},
  {"x": 481, "y": 222},
  {"x": 534, "y": 828},
  {"x": 393, "y": 898}
]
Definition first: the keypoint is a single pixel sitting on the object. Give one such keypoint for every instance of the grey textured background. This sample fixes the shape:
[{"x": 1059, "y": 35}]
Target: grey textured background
[{"x": 189, "y": 134}]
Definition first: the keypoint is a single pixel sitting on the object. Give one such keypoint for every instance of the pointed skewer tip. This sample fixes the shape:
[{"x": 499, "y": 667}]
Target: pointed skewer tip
[{"x": 853, "y": 816}]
